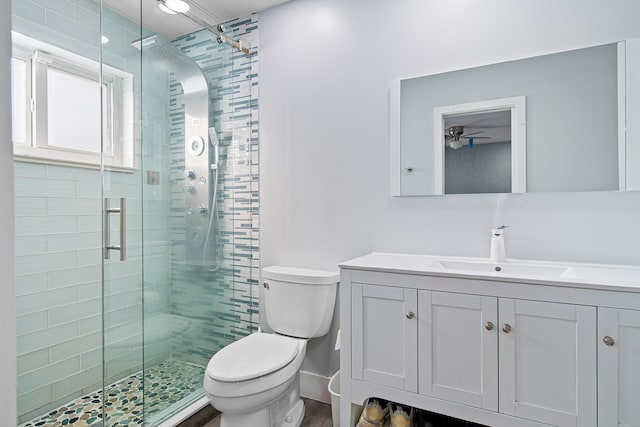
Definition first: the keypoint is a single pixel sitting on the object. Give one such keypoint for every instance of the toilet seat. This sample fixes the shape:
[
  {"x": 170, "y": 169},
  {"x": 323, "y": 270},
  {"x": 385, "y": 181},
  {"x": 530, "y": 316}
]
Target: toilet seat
[{"x": 251, "y": 357}]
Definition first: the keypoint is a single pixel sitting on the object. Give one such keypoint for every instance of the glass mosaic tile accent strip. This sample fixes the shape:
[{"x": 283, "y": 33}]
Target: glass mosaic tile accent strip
[
  {"x": 164, "y": 384},
  {"x": 223, "y": 302}
]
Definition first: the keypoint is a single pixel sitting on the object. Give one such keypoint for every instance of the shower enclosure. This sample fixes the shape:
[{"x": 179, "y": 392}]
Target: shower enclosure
[{"x": 136, "y": 211}]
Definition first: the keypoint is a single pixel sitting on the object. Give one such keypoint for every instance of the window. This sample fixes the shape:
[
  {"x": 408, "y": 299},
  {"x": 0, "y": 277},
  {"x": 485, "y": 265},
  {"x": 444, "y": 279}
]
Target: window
[
  {"x": 64, "y": 113},
  {"x": 73, "y": 111},
  {"x": 19, "y": 97}
]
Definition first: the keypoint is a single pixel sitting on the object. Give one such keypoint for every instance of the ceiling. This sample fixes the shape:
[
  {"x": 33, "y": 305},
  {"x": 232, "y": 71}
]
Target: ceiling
[
  {"x": 488, "y": 126},
  {"x": 172, "y": 26}
]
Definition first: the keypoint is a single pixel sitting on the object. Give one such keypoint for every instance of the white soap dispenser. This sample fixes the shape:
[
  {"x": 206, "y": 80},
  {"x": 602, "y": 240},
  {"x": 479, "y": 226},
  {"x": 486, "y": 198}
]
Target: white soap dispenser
[{"x": 497, "y": 253}]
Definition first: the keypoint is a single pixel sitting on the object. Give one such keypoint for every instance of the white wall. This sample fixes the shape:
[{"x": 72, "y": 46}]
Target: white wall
[
  {"x": 7, "y": 285},
  {"x": 325, "y": 71}
]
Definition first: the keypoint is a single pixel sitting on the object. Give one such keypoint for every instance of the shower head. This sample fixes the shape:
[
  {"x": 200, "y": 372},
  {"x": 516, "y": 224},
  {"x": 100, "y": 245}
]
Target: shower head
[
  {"x": 187, "y": 72},
  {"x": 139, "y": 44},
  {"x": 161, "y": 49},
  {"x": 213, "y": 139},
  {"x": 213, "y": 136}
]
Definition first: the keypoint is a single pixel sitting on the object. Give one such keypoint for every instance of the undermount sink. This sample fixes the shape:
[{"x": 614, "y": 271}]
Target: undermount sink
[{"x": 506, "y": 268}]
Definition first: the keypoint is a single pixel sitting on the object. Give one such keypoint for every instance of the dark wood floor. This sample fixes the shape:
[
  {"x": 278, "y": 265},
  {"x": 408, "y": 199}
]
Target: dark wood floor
[{"x": 317, "y": 414}]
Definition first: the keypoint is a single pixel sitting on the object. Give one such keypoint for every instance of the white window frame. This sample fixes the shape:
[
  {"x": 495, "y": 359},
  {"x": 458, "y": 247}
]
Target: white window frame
[{"x": 117, "y": 106}]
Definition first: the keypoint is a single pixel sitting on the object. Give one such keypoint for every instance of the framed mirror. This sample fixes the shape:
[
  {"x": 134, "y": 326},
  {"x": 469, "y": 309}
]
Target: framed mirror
[{"x": 549, "y": 123}]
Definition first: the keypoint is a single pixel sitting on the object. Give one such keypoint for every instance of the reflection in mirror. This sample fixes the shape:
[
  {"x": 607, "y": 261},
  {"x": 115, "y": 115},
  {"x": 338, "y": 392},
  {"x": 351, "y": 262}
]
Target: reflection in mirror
[
  {"x": 576, "y": 104},
  {"x": 498, "y": 165},
  {"x": 477, "y": 153}
]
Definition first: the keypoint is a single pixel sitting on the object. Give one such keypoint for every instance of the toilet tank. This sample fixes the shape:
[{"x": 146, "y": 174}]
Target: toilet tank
[{"x": 297, "y": 301}]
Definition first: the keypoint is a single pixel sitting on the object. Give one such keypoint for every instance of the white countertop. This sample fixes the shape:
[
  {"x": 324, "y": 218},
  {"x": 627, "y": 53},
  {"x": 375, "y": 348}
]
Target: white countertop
[{"x": 594, "y": 276}]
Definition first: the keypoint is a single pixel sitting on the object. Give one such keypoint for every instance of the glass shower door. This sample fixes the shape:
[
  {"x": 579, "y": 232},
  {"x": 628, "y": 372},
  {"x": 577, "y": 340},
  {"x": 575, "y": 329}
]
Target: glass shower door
[
  {"x": 183, "y": 223},
  {"x": 79, "y": 316},
  {"x": 122, "y": 221},
  {"x": 122, "y": 298},
  {"x": 200, "y": 213}
]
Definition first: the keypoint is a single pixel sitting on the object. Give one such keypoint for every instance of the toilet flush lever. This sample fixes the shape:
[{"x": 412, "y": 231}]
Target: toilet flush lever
[{"x": 265, "y": 285}]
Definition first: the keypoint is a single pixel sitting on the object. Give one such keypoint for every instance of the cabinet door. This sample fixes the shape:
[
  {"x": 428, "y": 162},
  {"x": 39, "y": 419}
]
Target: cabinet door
[
  {"x": 458, "y": 348},
  {"x": 618, "y": 368},
  {"x": 548, "y": 362},
  {"x": 384, "y": 336}
]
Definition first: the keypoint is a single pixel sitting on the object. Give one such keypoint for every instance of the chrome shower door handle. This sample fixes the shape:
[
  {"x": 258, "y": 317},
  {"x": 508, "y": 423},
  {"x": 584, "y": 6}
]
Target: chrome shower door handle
[{"x": 122, "y": 247}]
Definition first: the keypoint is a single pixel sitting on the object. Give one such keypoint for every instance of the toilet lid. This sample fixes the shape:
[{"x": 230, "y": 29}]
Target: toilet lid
[{"x": 251, "y": 357}]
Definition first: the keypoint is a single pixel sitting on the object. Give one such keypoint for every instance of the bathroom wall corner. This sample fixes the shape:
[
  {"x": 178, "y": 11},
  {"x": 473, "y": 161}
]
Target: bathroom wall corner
[
  {"x": 314, "y": 386},
  {"x": 7, "y": 289}
]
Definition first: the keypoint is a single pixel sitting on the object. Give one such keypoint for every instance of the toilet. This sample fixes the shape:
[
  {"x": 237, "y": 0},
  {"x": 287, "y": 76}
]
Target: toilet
[{"x": 255, "y": 381}]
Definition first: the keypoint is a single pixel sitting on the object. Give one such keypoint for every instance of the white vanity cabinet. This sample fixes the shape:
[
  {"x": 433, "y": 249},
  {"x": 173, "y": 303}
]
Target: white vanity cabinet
[
  {"x": 618, "y": 367},
  {"x": 547, "y": 364},
  {"x": 385, "y": 336},
  {"x": 458, "y": 348},
  {"x": 539, "y": 357},
  {"x": 498, "y": 352}
]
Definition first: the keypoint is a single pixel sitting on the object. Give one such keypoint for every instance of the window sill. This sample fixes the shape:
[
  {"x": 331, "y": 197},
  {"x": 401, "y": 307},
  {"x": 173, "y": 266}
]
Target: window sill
[{"x": 64, "y": 158}]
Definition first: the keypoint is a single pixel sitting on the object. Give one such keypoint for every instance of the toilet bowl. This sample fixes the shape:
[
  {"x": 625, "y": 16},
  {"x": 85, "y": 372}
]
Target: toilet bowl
[
  {"x": 248, "y": 375},
  {"x": 255, "y": 381}
]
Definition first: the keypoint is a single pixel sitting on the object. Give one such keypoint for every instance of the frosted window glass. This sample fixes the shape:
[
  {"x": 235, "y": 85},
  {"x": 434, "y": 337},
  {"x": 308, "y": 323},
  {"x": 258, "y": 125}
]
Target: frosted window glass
[
  {"x": 73, "y": 111},
  {"x": 19, "y": 100}
]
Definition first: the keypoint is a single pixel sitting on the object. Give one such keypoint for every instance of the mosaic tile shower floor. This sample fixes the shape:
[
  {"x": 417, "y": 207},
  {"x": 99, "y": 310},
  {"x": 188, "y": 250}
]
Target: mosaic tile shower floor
[{"x": 164, "y": 385}]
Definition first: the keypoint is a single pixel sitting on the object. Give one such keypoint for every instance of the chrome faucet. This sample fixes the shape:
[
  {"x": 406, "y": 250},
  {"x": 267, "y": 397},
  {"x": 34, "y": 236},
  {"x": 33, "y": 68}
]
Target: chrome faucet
[{"x": 497, "y": 252}]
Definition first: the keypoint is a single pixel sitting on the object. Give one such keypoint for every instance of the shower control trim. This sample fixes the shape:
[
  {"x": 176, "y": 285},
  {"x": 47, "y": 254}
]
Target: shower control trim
[
  {"x": 199, "y": 137},
  {"x": 196, "y": 146}
]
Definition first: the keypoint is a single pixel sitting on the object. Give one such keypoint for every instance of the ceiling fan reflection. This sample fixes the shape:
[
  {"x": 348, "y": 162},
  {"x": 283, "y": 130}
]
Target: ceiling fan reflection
[{"x": 455, "y": 136}]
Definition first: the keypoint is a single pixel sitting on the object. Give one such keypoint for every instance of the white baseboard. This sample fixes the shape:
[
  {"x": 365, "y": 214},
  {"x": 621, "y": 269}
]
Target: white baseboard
[{"x": 314, "y": 386}]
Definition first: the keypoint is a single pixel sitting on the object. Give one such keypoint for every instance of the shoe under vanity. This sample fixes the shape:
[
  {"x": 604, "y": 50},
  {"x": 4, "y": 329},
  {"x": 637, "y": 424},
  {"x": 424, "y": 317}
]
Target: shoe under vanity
[
  {"x": 377, "y": 413},
  {"x": 515, "y": 344}
]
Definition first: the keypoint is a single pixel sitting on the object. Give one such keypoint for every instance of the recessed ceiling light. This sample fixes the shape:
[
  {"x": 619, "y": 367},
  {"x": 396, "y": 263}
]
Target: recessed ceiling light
[
  {"x": 163, "y": 7},
  {"x": 179, "y": 6}
]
